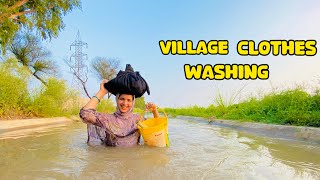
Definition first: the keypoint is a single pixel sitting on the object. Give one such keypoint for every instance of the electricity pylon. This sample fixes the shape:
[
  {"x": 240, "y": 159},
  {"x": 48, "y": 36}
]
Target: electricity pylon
[{"x": 77, "y": 66}]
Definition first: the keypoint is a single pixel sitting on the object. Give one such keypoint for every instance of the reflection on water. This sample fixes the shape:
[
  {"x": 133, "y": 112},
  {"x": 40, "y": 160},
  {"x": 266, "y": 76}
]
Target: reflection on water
[{"x": 198, "y": 151}]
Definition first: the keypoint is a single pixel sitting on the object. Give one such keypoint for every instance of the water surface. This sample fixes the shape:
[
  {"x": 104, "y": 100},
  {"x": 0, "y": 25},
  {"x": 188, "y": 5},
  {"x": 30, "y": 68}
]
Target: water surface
[{"x": 198, "y": 151}]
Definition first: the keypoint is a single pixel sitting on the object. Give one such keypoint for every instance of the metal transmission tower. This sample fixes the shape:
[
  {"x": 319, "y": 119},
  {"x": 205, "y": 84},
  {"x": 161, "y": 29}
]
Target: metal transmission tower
[{"x": 77, "y": 66}]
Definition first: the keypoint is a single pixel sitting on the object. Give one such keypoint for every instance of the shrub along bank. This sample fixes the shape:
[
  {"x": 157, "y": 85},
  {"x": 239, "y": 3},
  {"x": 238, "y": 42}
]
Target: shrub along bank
[{"x": 289, "y": 107}]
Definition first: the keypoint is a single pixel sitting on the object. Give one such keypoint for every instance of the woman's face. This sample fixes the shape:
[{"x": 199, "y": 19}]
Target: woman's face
[{"x": 125, "y": 102}]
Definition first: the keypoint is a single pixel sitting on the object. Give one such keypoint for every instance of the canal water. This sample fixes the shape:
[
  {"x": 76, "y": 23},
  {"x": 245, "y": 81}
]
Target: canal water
[{"x": 197, "y": 151}]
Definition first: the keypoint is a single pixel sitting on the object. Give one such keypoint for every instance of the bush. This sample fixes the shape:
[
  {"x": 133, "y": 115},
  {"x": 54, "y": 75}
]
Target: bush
[
  {"x": 14, "y": 96},
  {"x": 55, "y": 99},
  {"x": 106, "y": 106}
]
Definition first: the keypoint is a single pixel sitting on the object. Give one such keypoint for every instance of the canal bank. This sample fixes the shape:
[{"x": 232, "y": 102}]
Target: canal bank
[
  {"x": 22, "y": 127},
  {"x": 297, "y": 133}
]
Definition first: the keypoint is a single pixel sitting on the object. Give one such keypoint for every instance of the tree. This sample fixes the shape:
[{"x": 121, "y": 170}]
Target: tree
[
  {"x": 105, "y": 68},
  {"x": 140, "y": 103},
  {"x": 45, "y": 16},
  {"x": 80, "y": 73},
  {"x": 30, "y": 53}
]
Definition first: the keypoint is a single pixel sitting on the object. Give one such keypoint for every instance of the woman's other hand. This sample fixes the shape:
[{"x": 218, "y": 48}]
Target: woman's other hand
[{"x": 151, "y": 107}]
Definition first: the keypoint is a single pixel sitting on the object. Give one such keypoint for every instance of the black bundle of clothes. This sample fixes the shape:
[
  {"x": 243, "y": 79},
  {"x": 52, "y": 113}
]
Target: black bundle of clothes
[{"x": 128, "y": 82}]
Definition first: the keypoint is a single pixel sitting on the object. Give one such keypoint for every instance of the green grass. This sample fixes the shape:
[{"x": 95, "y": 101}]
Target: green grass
[{"x": 288, "y": 107}]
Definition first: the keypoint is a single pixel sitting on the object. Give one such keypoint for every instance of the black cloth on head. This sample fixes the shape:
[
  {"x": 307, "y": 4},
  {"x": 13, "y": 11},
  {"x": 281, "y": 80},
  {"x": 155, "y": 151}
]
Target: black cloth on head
[{"x": 128, "y": 82}]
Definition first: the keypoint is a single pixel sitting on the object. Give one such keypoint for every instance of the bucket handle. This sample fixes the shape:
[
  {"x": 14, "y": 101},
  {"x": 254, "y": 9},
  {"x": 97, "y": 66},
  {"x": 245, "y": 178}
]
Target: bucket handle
[{"x": 142, "y": 114}]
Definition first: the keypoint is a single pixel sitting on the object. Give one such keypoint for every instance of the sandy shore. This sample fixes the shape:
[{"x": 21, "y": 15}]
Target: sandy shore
[{"x": 23, "y": 127}]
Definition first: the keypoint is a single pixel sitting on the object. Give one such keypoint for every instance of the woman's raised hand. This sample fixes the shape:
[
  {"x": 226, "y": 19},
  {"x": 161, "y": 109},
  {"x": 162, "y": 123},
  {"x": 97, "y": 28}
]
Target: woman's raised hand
[{"x": 102, "y": 88}]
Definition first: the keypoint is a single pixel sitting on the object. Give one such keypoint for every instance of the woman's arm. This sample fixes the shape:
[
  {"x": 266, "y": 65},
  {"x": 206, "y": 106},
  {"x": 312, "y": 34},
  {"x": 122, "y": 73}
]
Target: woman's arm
[{"x": 85, "y": 113}]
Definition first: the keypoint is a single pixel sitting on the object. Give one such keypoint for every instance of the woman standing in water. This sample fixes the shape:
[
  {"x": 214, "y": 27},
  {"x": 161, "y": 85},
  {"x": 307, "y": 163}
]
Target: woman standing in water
[{"x": 117, "y": 129}]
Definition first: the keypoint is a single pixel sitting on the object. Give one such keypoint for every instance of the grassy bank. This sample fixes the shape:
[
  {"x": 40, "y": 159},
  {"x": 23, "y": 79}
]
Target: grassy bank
[{"x": 289, "y": 107}]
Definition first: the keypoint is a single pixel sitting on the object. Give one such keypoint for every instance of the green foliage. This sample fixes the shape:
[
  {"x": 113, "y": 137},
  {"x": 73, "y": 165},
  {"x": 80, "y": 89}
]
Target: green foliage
[
  {"x": 138, "y": 110},
  {"x": 45, "y": 16},
  {"x": 16, "y": 101},
  {"x": 106, "y": 106},
  {"x": 51, "y": 99},
  {"x": 13, "y": 90},
  {"x": 140, "y": 103},
  {"x": 32, "y": 55},
  {"x": 192, "y": 111},
  {"x": 290, "y": 107}
]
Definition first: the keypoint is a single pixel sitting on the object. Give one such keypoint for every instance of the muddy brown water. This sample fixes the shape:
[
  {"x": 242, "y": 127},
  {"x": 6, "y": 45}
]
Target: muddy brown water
[{"x": 197, "y": 151}]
